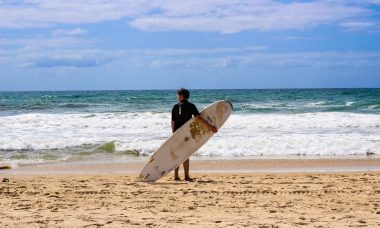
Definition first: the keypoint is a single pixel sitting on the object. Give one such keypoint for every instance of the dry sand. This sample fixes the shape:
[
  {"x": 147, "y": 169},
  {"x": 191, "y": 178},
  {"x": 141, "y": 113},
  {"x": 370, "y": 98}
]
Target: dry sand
[{"x": 213, "y": 200}]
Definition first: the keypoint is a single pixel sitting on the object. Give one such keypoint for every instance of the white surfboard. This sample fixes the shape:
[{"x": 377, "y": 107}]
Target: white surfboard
[{"x": 185, "y": 142}]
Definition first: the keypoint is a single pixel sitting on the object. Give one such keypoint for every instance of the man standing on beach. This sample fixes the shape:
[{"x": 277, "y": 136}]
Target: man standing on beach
[{"x": 181, "y": 113}]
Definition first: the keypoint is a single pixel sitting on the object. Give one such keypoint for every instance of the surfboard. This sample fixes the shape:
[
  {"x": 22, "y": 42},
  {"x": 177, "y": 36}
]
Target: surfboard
[{"x": 185, "y": 141}]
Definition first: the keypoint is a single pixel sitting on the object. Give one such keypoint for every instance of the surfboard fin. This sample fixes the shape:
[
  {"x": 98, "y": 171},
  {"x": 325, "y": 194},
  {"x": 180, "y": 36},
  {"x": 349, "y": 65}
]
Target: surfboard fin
[
  {"x": 232, "y": 107},
  {"x": 141, "y": 177}
]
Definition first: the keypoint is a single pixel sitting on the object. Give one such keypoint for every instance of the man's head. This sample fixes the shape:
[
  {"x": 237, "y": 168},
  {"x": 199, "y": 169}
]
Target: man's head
[{"x": 183, "y": 94}]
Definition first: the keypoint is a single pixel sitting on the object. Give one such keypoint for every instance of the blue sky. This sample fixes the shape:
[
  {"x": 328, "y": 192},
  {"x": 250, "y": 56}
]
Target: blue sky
[{"x": 116, "y": 44}]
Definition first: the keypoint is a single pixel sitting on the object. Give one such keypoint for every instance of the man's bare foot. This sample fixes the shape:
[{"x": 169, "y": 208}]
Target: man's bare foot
[
  {"x": 189, "y": 179},
  {"x": 177, "y": 178}
]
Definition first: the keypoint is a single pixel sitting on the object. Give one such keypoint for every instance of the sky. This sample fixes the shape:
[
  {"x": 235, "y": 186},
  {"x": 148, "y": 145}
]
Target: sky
[{"x": 199, "y": 44}]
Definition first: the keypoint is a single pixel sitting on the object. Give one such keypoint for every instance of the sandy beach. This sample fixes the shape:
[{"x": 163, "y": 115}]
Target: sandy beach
[{"x": 214, "y": 199}]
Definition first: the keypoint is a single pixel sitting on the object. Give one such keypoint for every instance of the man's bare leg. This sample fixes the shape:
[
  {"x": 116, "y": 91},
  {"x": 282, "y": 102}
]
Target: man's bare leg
[
  {"x": 186, "y": 168},
  {"x": 176, "y": 176}
]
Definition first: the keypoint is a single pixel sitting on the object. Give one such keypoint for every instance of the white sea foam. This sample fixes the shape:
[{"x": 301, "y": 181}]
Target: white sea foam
[
  {"x": 316, "y": 104},
  {"x": 243, "y": 134},
  {"x": 349, "y": 103},
  {"x": 373, "y": 107}
]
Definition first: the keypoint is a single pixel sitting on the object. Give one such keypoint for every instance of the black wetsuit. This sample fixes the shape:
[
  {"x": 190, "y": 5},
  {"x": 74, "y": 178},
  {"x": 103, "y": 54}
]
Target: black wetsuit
[{"x": 182, "y": 112}]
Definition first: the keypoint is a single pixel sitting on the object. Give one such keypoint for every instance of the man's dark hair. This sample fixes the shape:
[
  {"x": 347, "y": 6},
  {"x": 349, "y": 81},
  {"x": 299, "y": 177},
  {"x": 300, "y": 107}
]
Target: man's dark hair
[{"x": 184, "y": 92}]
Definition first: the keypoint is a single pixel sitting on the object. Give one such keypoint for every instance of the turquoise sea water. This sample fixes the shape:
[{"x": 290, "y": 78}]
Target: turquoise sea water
[
  {"x": 55, "y": 126},
  {"x": 245, "y": 101}
]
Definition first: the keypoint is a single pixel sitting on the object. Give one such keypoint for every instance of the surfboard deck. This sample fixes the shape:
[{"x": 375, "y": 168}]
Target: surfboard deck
[{"x": 185, "y": 142}]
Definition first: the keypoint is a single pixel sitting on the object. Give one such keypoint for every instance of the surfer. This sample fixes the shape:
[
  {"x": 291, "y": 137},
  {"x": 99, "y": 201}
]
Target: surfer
[{"x": 181, "y": 113}]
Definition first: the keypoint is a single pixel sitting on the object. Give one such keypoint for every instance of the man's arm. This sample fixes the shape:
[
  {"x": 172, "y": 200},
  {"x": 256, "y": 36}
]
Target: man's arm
[
  {"x": 204, "y": 122},
  {"x": 173, "y": 117}
]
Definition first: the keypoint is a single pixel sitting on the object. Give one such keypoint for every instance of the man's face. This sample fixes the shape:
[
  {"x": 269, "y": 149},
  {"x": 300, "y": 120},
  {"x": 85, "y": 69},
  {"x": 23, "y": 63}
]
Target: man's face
[{"x": 180, "y": 97}]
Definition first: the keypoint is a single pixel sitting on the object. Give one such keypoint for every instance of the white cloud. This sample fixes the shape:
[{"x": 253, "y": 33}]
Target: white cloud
[
  {"x": 68, "y": 32},
  {"x": 42, "y": 13},
  {"x": 78, "y": 58},
  {"x": 193, "y": 63},
  {"x": 43, "y": 42},
  {"x": 314, "y": 60},
  {"x": 298, "y": 38},
  {"x": 71, "y": 58},
  {"x": 209, "y": 58},
  {"x": 67, "y": 62},
  {"x": 37, "y": 56},
  {"x": 365, "y": 2},
  {"x": 202, "y": 15},
  {"x": 193, "y": 51},
  {"x": 237, "y": 16},
  {"x": 358, "y": 25}
]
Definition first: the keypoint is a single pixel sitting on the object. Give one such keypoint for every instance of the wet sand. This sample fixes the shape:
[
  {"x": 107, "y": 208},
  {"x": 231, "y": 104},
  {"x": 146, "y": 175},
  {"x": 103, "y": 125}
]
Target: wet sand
[
  {"x": 348, "y": 164},
  {"x": 214, "y": 199}
]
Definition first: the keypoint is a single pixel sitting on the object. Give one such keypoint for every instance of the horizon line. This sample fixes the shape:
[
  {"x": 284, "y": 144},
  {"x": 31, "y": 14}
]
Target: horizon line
[{"x": 87, "y": 90}]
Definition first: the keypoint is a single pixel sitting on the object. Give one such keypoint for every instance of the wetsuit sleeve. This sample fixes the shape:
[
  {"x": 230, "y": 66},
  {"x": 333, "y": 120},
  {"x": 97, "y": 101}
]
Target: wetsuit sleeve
[
  {"x": 195, "y": 110},
  {"x": 174, "y": 113}
]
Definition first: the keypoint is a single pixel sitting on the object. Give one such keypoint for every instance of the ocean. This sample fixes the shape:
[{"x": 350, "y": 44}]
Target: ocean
[{"x": 118, "y": 126}]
